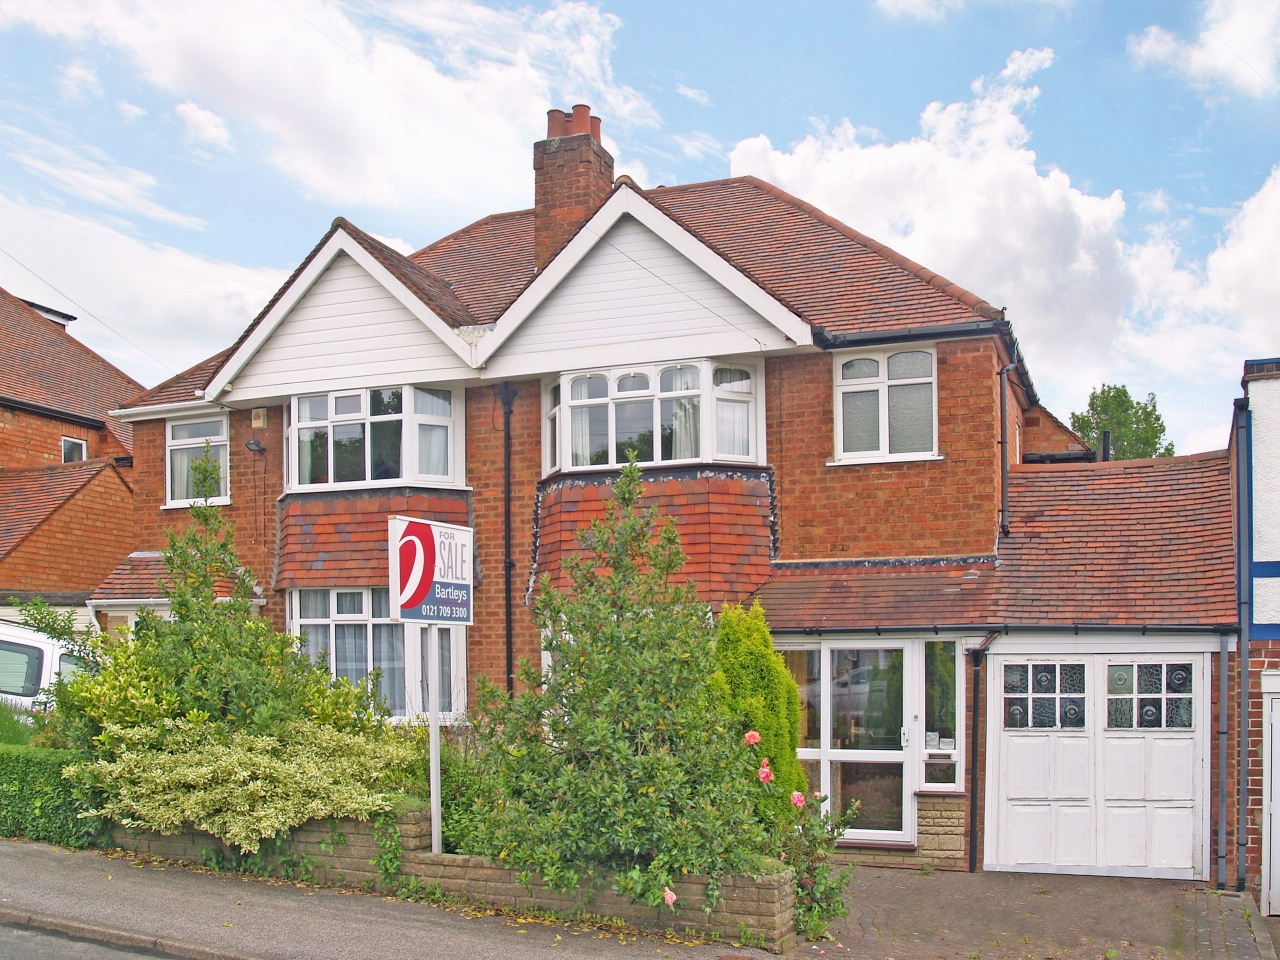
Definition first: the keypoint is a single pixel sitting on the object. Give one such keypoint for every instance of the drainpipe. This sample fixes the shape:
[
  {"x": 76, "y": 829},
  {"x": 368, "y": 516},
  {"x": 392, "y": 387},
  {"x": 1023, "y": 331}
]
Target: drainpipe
[
  {"x": 507, "y": 394},
  {"x": 1104, "y": 454},
  {"x": 1004, "y": 447},
  {"x": 977, "y": 657},
  {"x": 1223, "y": 739},
  {"x": 1244, "y": 595}
]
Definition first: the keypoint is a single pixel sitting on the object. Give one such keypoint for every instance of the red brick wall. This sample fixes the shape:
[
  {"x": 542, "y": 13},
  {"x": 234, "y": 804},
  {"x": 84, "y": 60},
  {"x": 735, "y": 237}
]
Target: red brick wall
[
  {"x": 79, "y": 544},
  {"x": 946, "y": 507},
  {"x": 572, "y": 178},
  {"x": 1042, "y": 434},
  {"x": 30, "y": 440},
  {"x": 1263, "y": 655}
]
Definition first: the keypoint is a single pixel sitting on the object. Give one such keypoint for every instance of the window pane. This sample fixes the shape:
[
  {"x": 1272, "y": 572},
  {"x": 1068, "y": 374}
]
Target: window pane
[
  {"x": 69, "y": 666},
  {"x": 879, "y": 788},
  {"x": 632, "y": 382},
  {"x": 313, "y": 454},
  {"x": 594, "y": 387},
  {"x": 433, "y": 450},
  {"x": 20, "y": 667},
  {"x": 72, "y": 451},
  {"x": 866, "y": 699},
  {"x": 1120, "y": 713},
  {"x": 1071, "y": 712},
  {"x": 590, "y": 435},
  {"x": 914, "y": 363},
  {"x": 1044, "y": 712},
  {"x": 679, "y": 378},
  {"x": 1177, "y": 712},
  {"x": 860, "y": 421},
  {"x": 388, "y": 656},
  {"x": 433, "y": 403},
  {"x": 315, "y": 642},
  {"x": 940, "y": 773},
  {"x": 350, "y": 651},
  {"x": 350, "y": 603},
  {"x": 311, "y": 409},
  {"x": 727, "y": 378},
  {"x": 911, "y": 418},
  {"x": 384, "y": 402},
  {"x": 347, "y": 406},
  {"x": 1015, "y": 678},
  {"x": 940, "y": 695},
  {"x": 681, "y": 428},
  {"x": 804, "y": 666},
  {"x": 182, "y": 483},
  {"x": 1015, "y": 712},
  {"x": 348, "y": 452},
  {"x": 384, "y": 449},
  {"x": 555, "y": 396},
  {"x": 1149, "y": 712},
  {"x": 859, "y": 369},
  {"x": 1071, "y": 678},
  {"x": 1120, "y": 678},
  {"x": 196, "y": 431},
  {"x": 1150, "y": 678},
  {"x": 633, "y": 430},
  {"x": 1044, "y": 678},
  {"x": 733, "y": 428},
  {"x": 380, "y": 602},
  {"x": 313, "y": 604},
  {"x": 555, "y": 440},
  {"x": 1177, "y": 678}
]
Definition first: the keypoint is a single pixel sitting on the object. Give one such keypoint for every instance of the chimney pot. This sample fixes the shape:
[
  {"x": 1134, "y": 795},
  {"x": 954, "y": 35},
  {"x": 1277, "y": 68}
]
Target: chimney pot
[
  {"x": 595, "y": 128},
  {"x": 581, "y": 119},
  {"x": 555, "y": 124}
]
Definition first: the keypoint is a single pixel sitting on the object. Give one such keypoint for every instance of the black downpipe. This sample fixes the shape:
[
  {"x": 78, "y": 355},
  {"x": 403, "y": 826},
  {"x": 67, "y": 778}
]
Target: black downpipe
[
  {"x": 507, "y": 394},
  {"x": 1004, "y": 447},
  {"x": 1244, "y": 595},
  {"x": 978, "y": 657}
]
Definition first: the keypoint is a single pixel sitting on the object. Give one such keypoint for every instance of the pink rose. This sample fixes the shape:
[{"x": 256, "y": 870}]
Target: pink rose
[
  {"x": 797, "y": 800},
  {"x": 765, "y": 774},
  {"x": 669, "y": 895},
  {"x": 752, "y": 738}
]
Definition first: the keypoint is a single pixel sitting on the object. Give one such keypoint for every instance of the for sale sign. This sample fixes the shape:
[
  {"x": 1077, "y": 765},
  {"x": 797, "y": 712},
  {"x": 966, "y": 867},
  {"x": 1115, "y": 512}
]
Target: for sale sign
[{"x": 430, "y": 571}]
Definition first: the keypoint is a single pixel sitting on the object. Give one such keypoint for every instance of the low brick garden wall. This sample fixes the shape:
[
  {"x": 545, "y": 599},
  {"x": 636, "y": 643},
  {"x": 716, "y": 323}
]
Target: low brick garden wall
[{"x": 762, "y": 907}]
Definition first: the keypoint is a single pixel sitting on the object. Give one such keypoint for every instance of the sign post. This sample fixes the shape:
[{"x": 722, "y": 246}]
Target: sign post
[{"x": 430, "y": 566}]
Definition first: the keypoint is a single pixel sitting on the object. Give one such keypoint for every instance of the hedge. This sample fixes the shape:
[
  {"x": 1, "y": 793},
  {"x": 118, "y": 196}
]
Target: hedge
[{"x": 35, "y": 802}]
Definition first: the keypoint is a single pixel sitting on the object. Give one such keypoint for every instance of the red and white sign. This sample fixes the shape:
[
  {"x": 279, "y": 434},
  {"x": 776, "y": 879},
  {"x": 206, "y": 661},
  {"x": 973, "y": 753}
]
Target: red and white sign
[{"x": 430, "y": 570}]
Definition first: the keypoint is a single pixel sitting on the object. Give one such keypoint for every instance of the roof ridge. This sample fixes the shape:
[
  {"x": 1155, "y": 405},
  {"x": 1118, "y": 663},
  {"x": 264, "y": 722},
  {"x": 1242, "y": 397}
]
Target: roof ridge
[
  {"x": 1139, "y": 463},
  {"x": 98, "y": 463}
]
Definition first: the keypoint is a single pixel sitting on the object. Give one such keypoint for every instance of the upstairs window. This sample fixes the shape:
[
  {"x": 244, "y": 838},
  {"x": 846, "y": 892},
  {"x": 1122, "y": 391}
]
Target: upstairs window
[
  {"x": 375, "y": 436},
  {"x": 667, "y": 413},
  {"x": 886, "y": 405},
  {"x": 186, "y": 445},
  {"x": 73, "y": 450}
]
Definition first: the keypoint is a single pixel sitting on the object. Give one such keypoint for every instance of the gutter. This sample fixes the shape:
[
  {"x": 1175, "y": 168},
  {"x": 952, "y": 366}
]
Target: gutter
[
  {"x": 1244, "y": 598},
  {"x": 1224, "y": 629},
  {"x": 75, "y": 418}
]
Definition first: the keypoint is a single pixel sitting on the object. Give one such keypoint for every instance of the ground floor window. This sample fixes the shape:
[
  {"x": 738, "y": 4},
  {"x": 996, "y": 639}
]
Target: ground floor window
[
  {"x": 349, "y": 630},
  {"x": 880, "y": 721}
]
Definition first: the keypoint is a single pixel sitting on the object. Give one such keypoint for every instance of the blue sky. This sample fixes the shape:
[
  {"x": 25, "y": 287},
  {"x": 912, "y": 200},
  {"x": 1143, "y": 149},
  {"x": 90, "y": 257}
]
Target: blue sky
[{"x": 1107, "y": 171}]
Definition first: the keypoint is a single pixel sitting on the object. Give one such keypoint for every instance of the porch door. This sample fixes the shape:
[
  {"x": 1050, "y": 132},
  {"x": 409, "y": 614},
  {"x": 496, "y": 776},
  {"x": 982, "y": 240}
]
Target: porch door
[{"x": 871, "y": 711}]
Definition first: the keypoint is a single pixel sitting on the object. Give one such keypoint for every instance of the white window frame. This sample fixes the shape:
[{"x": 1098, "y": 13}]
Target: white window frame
[
  {"x": 409, "y": 421},
  {"x": 414, "y": 655},
  {"x": 82, "y": 444},
  {"x": 557, "y": 457},
  {"x": 170, "y": 445},
  {"x": 881, "y": 383}
]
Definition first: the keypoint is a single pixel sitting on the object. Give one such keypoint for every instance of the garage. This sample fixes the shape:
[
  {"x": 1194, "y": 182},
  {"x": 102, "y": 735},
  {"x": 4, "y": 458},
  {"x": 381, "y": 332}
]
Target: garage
[{"x": 1098, "y": 761}]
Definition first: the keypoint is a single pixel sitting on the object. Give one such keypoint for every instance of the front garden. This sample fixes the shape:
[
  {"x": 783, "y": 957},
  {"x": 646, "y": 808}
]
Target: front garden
[{"x": 650, "y": 773}]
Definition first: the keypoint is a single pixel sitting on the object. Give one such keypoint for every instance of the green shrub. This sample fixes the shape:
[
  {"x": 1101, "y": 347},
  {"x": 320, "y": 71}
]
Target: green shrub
[
  {"x": 464, "y": 778},
  {"x": 36, "y": 802},
  {"x": 808, "y": 847},
  {"x": 761, "y": 691},
  {"x": 622, "y": 761},
  {"x": 13, "y": 726}
]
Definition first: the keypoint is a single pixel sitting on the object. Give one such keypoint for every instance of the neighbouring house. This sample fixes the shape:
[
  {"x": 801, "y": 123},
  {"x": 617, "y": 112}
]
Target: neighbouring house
[
  {"x": 66, "y": 506},
  {"x": 1007, "y": 652}
]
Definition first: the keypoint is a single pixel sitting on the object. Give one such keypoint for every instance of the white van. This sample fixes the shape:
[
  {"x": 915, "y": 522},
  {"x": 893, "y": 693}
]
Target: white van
[{"x": 29, "y": 662}]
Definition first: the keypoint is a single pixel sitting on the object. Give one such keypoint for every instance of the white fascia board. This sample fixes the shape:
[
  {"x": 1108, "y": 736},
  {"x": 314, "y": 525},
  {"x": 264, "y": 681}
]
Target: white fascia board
[
  {"x": 187, "y": 408},
  {"x": 627, "y": 201},
  {"x": 340, "y": 242},
  {"x": 1120, "y": 643}
]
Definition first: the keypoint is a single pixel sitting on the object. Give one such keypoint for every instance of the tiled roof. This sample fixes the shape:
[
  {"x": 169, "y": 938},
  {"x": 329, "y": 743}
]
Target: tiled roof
[
  {"x": 29, "y": 497},
  {"x": 185, "y": 387},
  {"x": 1125, "y": 543},
  {"x": 489, "y": 262},
  {"x": 136, "y": 577},
  {"x": 41, "y": 364}
]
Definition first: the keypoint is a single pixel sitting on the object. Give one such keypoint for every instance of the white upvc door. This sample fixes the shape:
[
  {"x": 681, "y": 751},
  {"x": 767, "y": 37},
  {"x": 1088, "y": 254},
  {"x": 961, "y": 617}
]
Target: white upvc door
[{"x": 1271, "y": 875}]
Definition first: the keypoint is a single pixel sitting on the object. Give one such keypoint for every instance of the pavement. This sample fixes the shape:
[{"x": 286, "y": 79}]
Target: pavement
[{"x": 165, "y": 909}]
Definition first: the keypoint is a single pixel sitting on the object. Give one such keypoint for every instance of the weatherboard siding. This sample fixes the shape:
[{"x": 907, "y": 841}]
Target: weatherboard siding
[{"x": 347, "y": 331}]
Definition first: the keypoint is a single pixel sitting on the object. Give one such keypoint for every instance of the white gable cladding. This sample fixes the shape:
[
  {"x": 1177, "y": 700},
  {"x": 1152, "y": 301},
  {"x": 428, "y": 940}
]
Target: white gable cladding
[
  {"x": 633, "y": 299},
  {"x": 346, "y": 331}
]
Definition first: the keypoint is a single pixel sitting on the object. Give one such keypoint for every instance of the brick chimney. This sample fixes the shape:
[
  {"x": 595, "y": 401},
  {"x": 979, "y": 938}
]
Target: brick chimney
[{"x": 573, "y": 175}]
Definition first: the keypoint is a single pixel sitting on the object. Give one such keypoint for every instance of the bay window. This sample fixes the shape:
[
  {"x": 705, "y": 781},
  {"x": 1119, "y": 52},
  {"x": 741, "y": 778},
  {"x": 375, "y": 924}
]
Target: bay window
[
  {"x": 886, "y": 405},
  {"x": 348, "y": 631},
  {"x": 185, "y": 442},
  {"x": 375, "y": 436},
  {"x": 682, "y": 412}
]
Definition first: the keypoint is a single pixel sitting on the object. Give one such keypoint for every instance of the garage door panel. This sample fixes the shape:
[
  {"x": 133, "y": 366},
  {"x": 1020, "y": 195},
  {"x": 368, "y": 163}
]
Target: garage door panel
[
  {"x": 1125, "y": 767},
  {"x": 1172, "y": 833},
  {"x": 1028, "y": 767},
  {"x": 1074, "y": 834},
  {"x": 1072, "y": 767},
  {"x": 1171, "y": 768},
  {"x": 1029, "y": 828},
  {"x": 1126, "y": 836}
]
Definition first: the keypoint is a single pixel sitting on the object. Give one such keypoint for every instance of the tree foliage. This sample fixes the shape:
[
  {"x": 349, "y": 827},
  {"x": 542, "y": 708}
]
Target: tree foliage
[
  {"x": 622, "y": 760},
  {"x": 1137, "y": 429}
]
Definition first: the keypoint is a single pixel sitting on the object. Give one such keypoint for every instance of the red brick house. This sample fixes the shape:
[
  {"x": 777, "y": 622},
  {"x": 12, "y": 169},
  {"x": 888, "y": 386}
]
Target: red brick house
[
  {"x": 823, "y": 420},
  {"x": 66, "y": 506}
]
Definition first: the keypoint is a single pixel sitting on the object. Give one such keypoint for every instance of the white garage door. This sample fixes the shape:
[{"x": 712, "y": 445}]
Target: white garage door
[{"x": 1096, "y": 765}]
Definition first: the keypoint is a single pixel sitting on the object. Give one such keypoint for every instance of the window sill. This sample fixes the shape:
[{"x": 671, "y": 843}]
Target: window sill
[
  {"x": 941, "y": 793},
  {"x": 906, "y": 846},
  {"x": 901, "y": 458},
  {"x": 188, "y": 504},
  {"x": 648, "y": 467},
  {"x": 417, "y": 484}
]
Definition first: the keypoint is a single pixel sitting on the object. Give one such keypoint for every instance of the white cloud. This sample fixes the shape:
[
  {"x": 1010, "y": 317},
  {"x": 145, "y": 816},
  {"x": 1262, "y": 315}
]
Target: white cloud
[
  {"x": 178, "y": 306},
  {"x": 129, "y": 112},
  {"x": 398, "y": 244},
  {"x": 967, "y": 198},
  {"x": 203, "y": 126},
  {"x": 79, "y": 81},
  {"x": 1154, "y": 201},
  {"x": 693, "y": 93},
  {"x": 697, "y": 144},
  {"x": 412, "y": 105},
  {"x": 88, "y": 173},
  {"x": 935, "y": 10},
  {"x": 1238, "y": 47}
]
